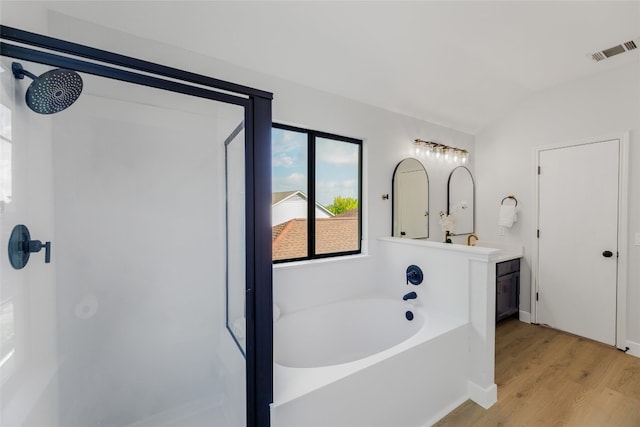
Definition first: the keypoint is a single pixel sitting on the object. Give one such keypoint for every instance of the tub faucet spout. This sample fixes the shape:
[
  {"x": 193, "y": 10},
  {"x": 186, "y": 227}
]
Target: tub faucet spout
[{"x": 410, "y": 295}]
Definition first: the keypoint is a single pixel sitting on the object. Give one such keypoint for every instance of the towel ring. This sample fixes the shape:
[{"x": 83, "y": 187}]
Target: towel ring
[{"x": 509, "y": 197}]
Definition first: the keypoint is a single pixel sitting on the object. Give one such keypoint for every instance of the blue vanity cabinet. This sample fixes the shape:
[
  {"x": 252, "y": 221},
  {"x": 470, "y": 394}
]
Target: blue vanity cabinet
[{"x": 507, "y": 289}]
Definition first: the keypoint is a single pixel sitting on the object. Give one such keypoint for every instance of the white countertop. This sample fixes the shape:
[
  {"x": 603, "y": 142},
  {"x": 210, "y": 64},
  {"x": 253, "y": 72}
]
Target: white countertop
[
  {"x": 494, "y": 251},
  {"x": 505, "y": 253}
]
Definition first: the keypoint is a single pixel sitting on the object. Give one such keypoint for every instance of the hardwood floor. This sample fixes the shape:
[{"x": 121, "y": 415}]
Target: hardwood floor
[{"x": 549, "y": 378}]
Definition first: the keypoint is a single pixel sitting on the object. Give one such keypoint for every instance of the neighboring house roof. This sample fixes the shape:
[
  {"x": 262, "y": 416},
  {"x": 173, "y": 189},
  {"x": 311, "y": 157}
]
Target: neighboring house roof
[
  {"x": 289, "y": 239},
  {"x": 282, "y": 196},
  {"x": 278, "y": 196},
  {"x": 353, "y": 213},
  {"x": 337, "y": 234}
]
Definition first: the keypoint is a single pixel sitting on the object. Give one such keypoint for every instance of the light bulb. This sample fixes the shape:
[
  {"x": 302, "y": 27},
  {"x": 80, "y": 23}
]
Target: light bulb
[
  {"x": 428, "y": 149},
  {"x": 447, "y": 154},
  {"x": 438, "y": 152},
  {"x": 418, "y": 149},
  {"x": 464, "y": 157}
]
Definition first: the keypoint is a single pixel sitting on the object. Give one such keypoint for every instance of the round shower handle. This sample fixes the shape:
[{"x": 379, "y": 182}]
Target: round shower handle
[
  {"x": 21, "y": 246},
  {"x": 414, "y": 275}
]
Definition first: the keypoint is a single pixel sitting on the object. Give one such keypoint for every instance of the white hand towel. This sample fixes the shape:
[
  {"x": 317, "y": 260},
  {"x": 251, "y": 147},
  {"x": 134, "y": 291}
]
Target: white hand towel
[{"x": 507, "y": 216}]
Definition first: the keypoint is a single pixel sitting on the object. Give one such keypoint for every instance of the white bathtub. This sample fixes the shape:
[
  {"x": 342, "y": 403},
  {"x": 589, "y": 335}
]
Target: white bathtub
[
  {"x": 343, "y": 332},
  {"x": 360, "y": 362}
]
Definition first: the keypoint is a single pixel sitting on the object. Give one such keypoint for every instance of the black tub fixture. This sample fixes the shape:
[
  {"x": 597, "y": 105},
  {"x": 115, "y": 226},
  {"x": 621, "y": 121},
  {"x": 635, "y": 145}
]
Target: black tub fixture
[
  {"x": 414, "y": 275},
  {"x": 410, "y": 295},
  {"x": 21, "y": 246}
]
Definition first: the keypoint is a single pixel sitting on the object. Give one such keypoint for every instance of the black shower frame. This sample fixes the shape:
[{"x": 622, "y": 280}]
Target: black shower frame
[{"x": 257, "y": 120}]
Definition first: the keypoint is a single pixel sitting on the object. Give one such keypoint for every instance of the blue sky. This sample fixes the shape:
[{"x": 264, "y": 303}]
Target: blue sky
[{"x": 336, "y": 165}]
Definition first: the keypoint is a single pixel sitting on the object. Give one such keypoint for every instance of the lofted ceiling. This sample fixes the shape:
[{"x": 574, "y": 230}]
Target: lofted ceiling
[{"x": 462, "y": 64}]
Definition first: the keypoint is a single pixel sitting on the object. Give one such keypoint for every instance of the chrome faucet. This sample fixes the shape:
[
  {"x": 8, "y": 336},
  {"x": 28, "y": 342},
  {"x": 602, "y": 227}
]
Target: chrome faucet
[
  {"x": 469, "y": 240},
  {"x": 410, "y": 295}
]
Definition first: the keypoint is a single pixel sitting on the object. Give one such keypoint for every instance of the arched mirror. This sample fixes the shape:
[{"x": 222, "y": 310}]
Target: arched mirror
[
  {"x": 410, "y": 200},
  {"x": 461, "y": 200}
]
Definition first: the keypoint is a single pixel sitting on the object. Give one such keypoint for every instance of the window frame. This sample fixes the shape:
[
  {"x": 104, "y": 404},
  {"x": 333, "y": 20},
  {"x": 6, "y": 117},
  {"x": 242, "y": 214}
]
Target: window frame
[{"x": 312, "y": 135}]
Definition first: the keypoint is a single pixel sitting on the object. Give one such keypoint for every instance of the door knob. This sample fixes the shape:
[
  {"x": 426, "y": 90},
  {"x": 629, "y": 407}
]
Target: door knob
[{"x": 607, "y": 254}]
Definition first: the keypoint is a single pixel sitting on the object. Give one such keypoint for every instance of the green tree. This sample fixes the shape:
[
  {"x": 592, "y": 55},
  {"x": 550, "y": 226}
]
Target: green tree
[{"x": 342, "y": 204}]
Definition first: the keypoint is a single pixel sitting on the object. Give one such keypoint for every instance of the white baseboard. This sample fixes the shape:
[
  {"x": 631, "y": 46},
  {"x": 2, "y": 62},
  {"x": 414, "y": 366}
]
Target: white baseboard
[
  {"x": 484, "y": 397},
  {"x": 524, "y": 316},
  {"x": 634, "y": 348}
]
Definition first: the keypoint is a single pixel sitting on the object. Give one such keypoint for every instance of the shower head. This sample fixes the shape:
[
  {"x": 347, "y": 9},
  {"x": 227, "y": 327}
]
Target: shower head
[{"x": 51, "y": 92}]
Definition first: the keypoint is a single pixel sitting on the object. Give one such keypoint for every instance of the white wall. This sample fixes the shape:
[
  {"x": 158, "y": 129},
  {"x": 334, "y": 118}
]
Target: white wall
[
  {"x": 387, "y": 140},
  {"x": 591, "y": 107}
]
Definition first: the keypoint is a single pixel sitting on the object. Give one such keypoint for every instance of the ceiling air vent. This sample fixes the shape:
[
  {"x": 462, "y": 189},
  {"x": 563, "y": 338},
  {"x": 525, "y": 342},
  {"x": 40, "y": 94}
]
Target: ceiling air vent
[{"x": 615, "y": 50}]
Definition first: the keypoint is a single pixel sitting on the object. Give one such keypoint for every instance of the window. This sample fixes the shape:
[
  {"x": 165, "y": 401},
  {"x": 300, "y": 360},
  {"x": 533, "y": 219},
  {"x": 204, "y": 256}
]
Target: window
[
  {"x": 316, "y": 194},
  {"x": 7, "y": 339},
  {"x": 5, "y": 154}
]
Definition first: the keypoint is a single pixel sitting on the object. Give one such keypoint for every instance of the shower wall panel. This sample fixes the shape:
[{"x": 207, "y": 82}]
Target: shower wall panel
[
  {"x": 126, "y": 325},
  {"x": 137, "y": 213},
  {"x": 27, "y": 297}
]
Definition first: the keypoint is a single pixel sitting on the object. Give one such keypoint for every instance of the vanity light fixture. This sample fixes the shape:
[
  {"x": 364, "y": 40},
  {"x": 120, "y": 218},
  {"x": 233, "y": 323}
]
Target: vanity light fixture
[
  {"x": 439, "y": 149},
  {"x": 441, "y": 152},
  {"x": 464, "y": 156},
  {"x": 448, "y": 154},
  {"x": 417, "y": 147},
  {"x": 429, "y": 149}
]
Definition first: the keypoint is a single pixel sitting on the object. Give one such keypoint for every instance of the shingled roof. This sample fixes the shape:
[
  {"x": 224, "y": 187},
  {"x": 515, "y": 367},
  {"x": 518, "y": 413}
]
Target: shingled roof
[{"x": 337, "y": 234}]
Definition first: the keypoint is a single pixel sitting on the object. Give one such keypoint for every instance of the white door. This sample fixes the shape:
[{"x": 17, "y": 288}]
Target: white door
[
  {"x": 578, "y": 234},
  {"x": 413, "y": 214}
]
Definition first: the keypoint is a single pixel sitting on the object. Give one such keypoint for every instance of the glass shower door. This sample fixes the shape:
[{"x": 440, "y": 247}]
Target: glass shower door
[{"x": 126, "y": 326}]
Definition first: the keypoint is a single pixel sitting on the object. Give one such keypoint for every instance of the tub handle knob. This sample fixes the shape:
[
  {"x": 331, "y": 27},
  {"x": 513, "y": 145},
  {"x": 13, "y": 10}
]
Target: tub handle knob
[{"x": 414, "y": 275}]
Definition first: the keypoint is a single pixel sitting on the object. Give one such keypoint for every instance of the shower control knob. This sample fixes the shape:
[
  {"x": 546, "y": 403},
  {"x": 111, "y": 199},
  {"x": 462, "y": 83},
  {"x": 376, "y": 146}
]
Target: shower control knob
[
  {"x": 21, "y": 246},
  {"x": 36, "y": 245}
]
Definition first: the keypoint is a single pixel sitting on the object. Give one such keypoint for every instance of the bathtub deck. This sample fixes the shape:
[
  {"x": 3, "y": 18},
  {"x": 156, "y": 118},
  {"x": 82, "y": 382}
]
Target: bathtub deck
[
  {"x": 431, "y": 376},
  {"x": 291, "y": 383}
]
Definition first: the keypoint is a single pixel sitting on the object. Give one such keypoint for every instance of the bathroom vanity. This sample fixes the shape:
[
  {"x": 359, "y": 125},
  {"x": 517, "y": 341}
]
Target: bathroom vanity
[
  {"x": 507, "y": 278},
  {"x": 507, "y": 289}
]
